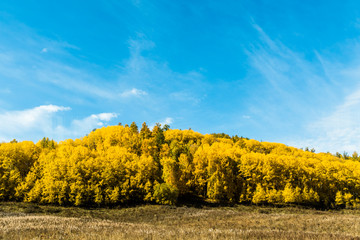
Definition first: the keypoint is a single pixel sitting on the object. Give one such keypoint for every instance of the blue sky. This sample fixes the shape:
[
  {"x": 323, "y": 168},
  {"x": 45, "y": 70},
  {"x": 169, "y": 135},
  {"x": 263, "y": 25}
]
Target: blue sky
[{"x": 279, "y": 71}]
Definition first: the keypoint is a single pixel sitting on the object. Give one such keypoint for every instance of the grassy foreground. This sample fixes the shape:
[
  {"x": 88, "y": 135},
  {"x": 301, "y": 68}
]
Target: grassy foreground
[{"x": 31, "y": 221}]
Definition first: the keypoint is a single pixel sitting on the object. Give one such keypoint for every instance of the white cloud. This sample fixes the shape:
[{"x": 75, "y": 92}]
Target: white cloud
[
  {"x": 84, "y": 126},
  {"x": 105, "y": 116},
  {"x": 133, "y": 92},
  {"x": 166, "y": 121},
  {"x": 44, "y": 50},
  {"x": 33, "y": 124},
  {"x": 22, "y": 124}
]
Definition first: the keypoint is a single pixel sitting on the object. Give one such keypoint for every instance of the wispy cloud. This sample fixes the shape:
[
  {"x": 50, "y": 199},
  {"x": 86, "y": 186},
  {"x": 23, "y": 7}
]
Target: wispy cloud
[
  {"x": 308, "y": 99},
  {"x": 22, "y": 60},
  {"x": 186, "y": 96},
  {"x": 287, "y": 89},
  {"x": 73, "y": 79},
  {"x": 327, "y": 101},
  {"x": 157, "y": 77},
  {"x": 51, "y": 71},
  {"x": 62, "y": 71},
  {"x": 287, "y": 74},
  {"x": 339, "y": 130}
]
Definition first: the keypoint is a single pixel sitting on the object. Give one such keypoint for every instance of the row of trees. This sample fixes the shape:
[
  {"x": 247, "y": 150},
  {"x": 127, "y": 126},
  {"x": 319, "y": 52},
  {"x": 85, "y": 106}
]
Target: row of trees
[{"x": 120, "y": 164}]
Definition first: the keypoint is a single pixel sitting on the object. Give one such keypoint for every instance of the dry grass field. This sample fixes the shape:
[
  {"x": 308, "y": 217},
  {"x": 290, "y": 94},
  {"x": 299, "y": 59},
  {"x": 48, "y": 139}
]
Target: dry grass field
[{"x": 30, "y": 221}]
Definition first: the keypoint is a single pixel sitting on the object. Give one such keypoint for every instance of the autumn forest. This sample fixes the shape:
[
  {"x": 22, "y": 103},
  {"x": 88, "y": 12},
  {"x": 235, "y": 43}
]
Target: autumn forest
[{"x": 118, "y": 165}]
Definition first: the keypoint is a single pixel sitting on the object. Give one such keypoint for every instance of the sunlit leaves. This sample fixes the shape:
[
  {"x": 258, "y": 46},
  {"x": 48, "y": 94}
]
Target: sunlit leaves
[{"x": 120, "y": 164}]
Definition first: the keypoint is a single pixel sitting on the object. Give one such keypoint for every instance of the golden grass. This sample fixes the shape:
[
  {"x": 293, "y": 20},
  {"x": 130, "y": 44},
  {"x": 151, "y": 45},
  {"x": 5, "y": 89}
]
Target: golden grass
[{"x": 29, "y": 221}]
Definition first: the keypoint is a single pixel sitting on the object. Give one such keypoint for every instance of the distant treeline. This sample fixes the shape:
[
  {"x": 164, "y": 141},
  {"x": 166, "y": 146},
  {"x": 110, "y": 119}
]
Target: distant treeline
[{"x": 119, "y": 165}]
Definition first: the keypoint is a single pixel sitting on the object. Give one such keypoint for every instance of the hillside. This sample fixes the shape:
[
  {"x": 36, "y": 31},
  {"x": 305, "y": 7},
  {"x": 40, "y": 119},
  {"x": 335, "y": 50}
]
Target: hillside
[{"x": 118, "y": 165}]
